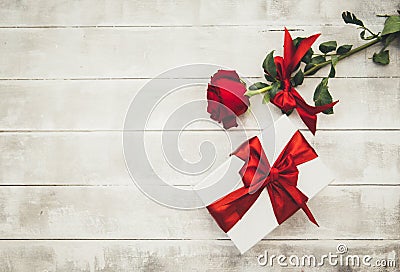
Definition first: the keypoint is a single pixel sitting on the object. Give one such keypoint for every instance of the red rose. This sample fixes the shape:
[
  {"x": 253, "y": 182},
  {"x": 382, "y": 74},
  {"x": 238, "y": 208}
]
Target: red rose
[{"x": 226, "y": 99}]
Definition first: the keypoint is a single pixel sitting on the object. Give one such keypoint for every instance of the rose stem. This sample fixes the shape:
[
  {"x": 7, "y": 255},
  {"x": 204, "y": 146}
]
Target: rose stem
[
  {"x": 351, "y": 52},
  {"x": 259, "y": 91}
]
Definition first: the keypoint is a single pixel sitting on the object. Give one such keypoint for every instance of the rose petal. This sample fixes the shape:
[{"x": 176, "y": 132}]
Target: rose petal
[
  {"x": 229, "y": 121},
  {"x": 227, "y": 74}
]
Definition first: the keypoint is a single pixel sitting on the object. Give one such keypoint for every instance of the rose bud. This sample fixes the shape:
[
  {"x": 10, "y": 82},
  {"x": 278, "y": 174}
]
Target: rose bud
[{"x": 226, "y": 99}]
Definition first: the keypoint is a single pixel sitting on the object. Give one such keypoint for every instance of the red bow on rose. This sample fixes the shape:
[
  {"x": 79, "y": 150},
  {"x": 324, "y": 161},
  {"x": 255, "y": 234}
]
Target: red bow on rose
[
  {"x": 288, "y": 98},
  {"x": 280, "y": 180}
]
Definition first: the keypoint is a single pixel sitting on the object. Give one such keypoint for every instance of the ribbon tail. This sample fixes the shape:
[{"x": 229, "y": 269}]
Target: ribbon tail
[
  {"x": 303, "y": 48},
  {"x": 309, "y": 119},
  {"x": 228, "y": 210},
  {"x": 309, "y": 214},
  {"x": 288, "y": 52},
  {"x": 292, "y": 200},
  {"x": 309, "y": 113}
]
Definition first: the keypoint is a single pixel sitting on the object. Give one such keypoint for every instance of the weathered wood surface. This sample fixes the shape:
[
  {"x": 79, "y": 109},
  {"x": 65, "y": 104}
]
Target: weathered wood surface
[
  {"x": 183, "y": 255},
  {"x": 96, "y": 158},
  {"x": 123, "y": 212},
  {"x": 188, "y": 13},
  {"x": 68, "y": 72},
  {"x": 76, "y": 53},
  {"x": 365, "y": 103}
]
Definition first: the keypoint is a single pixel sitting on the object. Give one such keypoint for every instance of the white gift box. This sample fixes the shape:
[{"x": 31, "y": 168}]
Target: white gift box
[{"x": 260, "y": 219}]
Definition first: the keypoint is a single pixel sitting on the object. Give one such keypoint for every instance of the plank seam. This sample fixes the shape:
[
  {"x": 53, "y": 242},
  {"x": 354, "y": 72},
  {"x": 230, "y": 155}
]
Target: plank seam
[
  {"x": 149, "y": 78},
  {"x": 5, "y": 131},
  {"x": 189, "y": 239},
  {"x": 273, "y": 26},
  {"x": 182, "y": 185}
]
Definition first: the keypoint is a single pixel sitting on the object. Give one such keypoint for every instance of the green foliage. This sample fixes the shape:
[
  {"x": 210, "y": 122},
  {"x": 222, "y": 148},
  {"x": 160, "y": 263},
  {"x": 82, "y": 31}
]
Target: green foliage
[
  {"x": 289, "y": 112},
  {"x": 298, "y": 78},
  {"x": 350, "y": 18},
  {"x": 382, "y": 57},
  {"x": 343, "y": 49},
  {"x": 266, "y": 98},
  {"x": 314, "y": 61},
  {"x": 390, "y": 38},
  {"x": 392, "y": 25},
  {"x": 367, "y": 38},
  {"x": 390, "y": 32},
  {"x": 269, "y": 64},
  {"x": 275, "y": 88},
  {"x": 327, "y": 47},
  {"x": 258, "y": 86},
  {"x": 269, "y": 78},
  {"x": 322, "y": 95},
  {"x": 334, "y": 61}
]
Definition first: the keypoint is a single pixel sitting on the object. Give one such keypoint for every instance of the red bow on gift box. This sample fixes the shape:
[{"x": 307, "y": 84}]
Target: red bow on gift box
[
  {"x": 288, "y": 98},
  {"x": 280, "y": 180}
]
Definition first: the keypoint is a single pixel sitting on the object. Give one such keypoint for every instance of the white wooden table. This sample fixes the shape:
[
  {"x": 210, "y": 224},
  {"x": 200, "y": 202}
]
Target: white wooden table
[{"x": 68, "y": 72}]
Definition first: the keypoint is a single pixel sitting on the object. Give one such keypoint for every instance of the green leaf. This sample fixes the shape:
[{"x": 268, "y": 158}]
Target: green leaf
[
  {"x": 297, "y": 41},
  {"x": 382, "y": 57},
  {"x": 343, "y": 49},
  {"x": 392, "y": 25},
  {"x": 257, "y": 86},
  {"x": 275, "y": 88},
  {"x": 308, "y": 56},
  {"x": 269, "y": 64},
  {"x": 314, "y": 61},
  {"x": 327, "y": 47},
  {"x": 350, "y": 18},
  {"x": 334, "y": 61},
  {"x": 298, "y": 78},
  {"x": 266, "y": 98},
  {"x": 362, "y": 36},
  {"x": 322, "y": 95},
  {"x": 289, "y": 112},
  {"x": 318, "y": 60},
  {"x": 332, "y": 72},
  {"x": 269, "y": 78},
  {"x": 388, "y": 39},
  {"x": 308, "y": 67}
]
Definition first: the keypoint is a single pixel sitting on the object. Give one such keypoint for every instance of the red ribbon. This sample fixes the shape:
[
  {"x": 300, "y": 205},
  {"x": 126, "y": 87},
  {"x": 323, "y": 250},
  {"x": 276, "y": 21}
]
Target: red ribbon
[
  {"x": 288, "y": 98},
  {"x": 280, "y": 180}
]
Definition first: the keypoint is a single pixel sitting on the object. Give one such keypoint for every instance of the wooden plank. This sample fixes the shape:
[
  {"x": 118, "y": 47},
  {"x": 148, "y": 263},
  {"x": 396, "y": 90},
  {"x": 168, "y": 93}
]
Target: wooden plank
[
  {"x": 94, "y": 158},
  {"x": 103, "y": 104},
  {"x": 160, "y": 13},
  {"x": 92, "y": 217},
  {"x": 179, "y": 255},
  {"x": 146, "y": 52},
  {"x": 123, "y": 212}
]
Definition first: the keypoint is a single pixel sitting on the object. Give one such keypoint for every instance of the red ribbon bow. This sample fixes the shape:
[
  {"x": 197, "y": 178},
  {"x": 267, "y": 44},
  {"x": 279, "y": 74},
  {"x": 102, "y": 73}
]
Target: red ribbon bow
[
  {"x": 288, "y": 98},
  {"x": 280, "y": 180}
]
